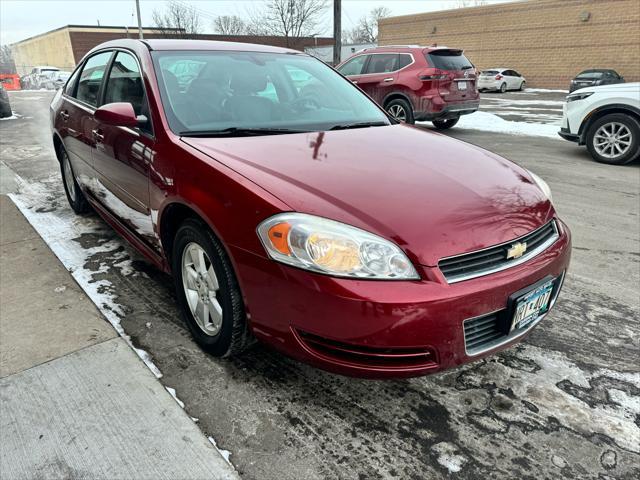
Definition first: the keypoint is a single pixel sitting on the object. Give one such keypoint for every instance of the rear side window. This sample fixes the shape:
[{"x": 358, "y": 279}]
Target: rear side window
[
  {"x": 405, "y": 59},
  {"x": 353, "y": 66},
  {"x": 91, "y": 78},
  {"x": 383, "y": 63},
  {"x": 448, "y": 60}
]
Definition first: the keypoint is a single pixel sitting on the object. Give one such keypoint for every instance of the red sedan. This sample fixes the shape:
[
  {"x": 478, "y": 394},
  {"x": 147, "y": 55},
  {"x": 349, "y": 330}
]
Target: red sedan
[{"x": 291, "y": 209}]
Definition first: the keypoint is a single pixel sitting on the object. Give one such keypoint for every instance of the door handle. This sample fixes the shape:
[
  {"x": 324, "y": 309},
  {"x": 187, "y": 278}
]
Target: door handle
[
  {"x": 97, "y": 135},
  {"x": 390, "y": 79},
  {"x": 65, "y": 115}
]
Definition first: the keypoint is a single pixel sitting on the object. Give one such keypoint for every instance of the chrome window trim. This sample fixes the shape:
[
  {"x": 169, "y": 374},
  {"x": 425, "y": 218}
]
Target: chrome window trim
[
  {"x": 508, "y": 264},
  {"x": 509, "y": 337},
  {"x": 413, "y": 60}
]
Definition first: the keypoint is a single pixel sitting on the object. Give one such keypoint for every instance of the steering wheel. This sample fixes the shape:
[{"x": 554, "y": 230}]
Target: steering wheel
[{"x": 305, "y": 102}]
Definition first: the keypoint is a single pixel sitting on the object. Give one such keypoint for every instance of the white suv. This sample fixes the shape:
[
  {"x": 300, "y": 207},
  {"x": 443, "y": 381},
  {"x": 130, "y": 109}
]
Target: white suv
[{"x": 607, "y": 120}]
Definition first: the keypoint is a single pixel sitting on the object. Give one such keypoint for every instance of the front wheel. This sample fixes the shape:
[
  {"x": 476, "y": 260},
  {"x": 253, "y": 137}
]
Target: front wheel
[
  {"x": 445, "y": 124},
  {"x": 614, "y": 139},
  {"x": 503, "y": 88},
  {"x": 75, "y": 196},
  {"x": 207, "y": 291},
  {"x": 400, "y": 110},
  {"x": 522, "y": 85}
]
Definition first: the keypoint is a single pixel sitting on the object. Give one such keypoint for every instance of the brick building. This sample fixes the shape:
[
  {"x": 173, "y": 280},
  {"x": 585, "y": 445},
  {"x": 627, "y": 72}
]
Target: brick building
[
  {"x": 548, "y": 41},
  {"x": 64, "y": 47}
]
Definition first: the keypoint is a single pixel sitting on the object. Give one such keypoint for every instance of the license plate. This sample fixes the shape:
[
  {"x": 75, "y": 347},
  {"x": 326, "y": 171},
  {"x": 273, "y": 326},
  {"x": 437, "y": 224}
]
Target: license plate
[
  {"x": 531, "y": 305},
  {"x": 462, "y": 85}
]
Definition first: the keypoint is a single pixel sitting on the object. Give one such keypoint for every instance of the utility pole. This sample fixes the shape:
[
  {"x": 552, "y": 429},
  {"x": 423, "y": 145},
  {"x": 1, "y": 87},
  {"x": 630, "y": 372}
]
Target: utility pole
[
  {"x": 140, "y": 35},
  {"x": 337, "y": 31}
]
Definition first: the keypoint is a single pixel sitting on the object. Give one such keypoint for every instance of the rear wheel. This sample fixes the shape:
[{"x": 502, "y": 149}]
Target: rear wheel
[
  {"x": 400, "y": 110},
  {"x": 522, "y": 85},
  {"x": 207, "y": 291},
  {"x": 503, "y": 88},
  {"x": 614, "y": 139},
  {"x": 76, "y": 198},
  {"x": 445, "y": 124}
]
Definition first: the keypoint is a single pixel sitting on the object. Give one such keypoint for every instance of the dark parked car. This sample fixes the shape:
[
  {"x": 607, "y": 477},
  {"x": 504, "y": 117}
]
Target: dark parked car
[
  {"x": 5, "y": 106},
  {"x": 437, "y": 84},
  {"x": 595, "y": 77},
  {"x": 291, "y": 208}
]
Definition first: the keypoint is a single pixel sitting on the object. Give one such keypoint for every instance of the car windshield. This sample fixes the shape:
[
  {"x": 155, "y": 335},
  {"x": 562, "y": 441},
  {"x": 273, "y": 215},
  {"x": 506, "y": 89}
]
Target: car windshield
[
  {"x": 448, "y": 60},
  {"x": 220, "y": 92},
  {"x": 590, "y": 75}
]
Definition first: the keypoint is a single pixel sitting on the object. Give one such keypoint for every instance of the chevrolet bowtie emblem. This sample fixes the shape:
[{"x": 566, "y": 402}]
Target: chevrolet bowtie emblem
[{"x": 517, "y": 250}]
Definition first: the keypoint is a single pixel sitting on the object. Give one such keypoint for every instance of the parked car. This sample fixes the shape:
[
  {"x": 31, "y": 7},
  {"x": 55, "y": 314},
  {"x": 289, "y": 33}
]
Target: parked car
[
  {"x": 5, "y": 105},
  {"x": 55, "y": 80},
  {"x": 436, "y": 84},
  {"x": 10, "y": 81},
  {"x": 500, "y": 80},
  {"x": 292, "y": 209},
  {"x": 35, "y": 80},
  {"x": 595, "y": 77},
  {"x": 607, "y": 120}
]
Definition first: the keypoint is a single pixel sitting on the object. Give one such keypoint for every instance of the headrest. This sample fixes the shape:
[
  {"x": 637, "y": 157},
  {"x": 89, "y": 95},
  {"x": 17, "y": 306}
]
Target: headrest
[{"x": 252, "y": 80}]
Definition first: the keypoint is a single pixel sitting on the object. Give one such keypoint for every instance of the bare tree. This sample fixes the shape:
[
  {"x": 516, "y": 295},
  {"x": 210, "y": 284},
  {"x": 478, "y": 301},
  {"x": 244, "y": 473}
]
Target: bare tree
[
  {"x": 288, "y": 18},
  {"x": 177, "y": 20},
  {"x": 229, "y": 25},
  {"x": 7, "y": 65},
  {"x": 366, "y": 31},
  {"x": 471, "y": 3}
]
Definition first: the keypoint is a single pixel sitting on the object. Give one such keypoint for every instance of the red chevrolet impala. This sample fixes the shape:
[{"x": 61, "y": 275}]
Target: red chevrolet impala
[{"x": 291, "y": 209}]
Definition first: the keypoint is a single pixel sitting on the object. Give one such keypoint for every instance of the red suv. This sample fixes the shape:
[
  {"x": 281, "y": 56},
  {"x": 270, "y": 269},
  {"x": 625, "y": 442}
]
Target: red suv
[
  {"x": 412, "y": 83},
  {"x": 291, "y": 208}
]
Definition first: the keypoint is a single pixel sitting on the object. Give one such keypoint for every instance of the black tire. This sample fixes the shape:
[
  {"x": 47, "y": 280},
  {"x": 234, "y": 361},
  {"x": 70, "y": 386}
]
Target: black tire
[
  {"x": 522, "y": 85},
  {"x": 75, "y": 196},
  {"x": 397, "y": 105},
  {"x": 233, "y": 336},
  {"x": 503, "y": 88},
  {"x": 445, "y": 124},
  {"x": 632, "y": 126}
]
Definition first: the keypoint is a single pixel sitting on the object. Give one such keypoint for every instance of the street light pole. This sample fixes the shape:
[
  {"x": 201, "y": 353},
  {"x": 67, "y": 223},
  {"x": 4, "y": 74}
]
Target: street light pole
[
  {"x": 140, "y": 35},
  {"x": 337, "y": 31}
]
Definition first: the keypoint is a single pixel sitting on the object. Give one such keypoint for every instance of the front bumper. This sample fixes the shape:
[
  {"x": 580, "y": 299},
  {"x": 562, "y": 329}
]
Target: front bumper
[
  {"x": 565, "y": 133},
  {"x": 381, "y": 329}
]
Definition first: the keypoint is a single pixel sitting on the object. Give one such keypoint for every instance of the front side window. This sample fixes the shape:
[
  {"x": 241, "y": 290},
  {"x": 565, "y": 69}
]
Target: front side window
[
  {"x": 251, "y": 90},
  {"x": 383, "y": 63},
  {"x": 71, "y": 84},
  {"x": 91, "y": 78},
  {"x": 353, "y": 66}
]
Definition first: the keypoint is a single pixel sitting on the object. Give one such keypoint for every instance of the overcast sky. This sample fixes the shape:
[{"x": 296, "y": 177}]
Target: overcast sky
[{"x": 20, "y": 19}]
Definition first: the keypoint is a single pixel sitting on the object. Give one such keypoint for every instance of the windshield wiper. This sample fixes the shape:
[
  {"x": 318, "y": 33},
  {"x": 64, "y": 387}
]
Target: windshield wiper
[
  {"x": 238, "y": 132},
  {"x": 358, "y": 125}
]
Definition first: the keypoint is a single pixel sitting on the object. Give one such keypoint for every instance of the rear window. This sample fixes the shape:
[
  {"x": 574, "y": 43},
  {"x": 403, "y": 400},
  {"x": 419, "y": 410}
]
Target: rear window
[
  {"x": 490, "y": 72},
  {"x": 590, "y": 75},
  {"x": 448, "y": 60}
]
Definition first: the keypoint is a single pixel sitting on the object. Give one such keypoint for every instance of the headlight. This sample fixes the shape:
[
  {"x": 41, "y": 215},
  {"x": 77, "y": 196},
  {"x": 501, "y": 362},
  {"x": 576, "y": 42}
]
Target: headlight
[
  {"x": 333, "y": 248},
  {"x": 578, "y": 96},
  {"x": 543, "y": 185}
]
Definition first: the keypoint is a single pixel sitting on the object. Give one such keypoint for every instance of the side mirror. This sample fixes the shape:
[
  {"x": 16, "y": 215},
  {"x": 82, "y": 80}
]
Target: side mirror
[{"x": 117, "y": 114}]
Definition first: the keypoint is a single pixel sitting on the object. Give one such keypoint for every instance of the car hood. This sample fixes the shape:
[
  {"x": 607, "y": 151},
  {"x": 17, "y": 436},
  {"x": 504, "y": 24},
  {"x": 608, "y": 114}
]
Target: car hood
[
  {"x": 432, "y": 195},
  {"x": 614, "y": 87}
]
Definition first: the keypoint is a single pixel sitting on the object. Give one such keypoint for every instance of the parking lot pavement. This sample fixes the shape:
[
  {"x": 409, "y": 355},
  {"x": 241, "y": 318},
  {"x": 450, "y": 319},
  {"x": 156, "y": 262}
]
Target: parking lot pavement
[
  {"x": 565, "y": 403},
  {"x": 530, "y": 105}
]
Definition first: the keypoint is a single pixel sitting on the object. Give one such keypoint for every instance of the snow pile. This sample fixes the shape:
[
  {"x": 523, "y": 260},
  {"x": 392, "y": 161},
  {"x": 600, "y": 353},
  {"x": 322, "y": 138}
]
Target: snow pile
[
  {"x": 448, "y": 456},
  {"x": 543, "y": 90},
  {"x": 489, "y": 122},
  {"x": 15, "y": 116}
]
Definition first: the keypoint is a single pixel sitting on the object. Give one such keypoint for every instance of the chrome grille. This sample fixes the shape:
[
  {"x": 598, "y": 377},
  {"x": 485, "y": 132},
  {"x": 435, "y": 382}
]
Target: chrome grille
[{"x": 493, "y": 259}]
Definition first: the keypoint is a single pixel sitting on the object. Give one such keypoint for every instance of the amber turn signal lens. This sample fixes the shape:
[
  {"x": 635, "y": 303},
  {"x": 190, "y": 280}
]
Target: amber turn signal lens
[{"x": 279, "y": 237}]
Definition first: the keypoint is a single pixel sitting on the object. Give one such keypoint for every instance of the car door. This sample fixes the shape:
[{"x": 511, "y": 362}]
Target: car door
[
  {"x": 76, "y": 122},
  {"x": 509, "y": 79},
  {"x": 122, "y": 156},
  {"x": 380, "y": 75},
  {"x": 354, "y": 67}
]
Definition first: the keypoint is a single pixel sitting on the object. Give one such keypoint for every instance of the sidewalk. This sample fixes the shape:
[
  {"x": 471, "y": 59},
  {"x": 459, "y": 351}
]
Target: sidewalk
[{"x": 75, "y": 400}]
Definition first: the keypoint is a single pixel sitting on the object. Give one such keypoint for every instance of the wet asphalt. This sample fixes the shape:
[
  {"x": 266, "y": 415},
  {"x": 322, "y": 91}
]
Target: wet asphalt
[{"x": 565, "y": 403}]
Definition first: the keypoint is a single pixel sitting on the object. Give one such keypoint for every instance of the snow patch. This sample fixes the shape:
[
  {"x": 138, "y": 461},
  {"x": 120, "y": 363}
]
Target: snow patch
[
  {"x": 225, "y": 453},
  {"x": 543, "y": 90},
  {"x": 172, "y": 391},
  {"x": 60, "y": 289},
  {"x": 449, "y": 457},
  {"x": 489, "y": 122},
  {"x": 15, "y": 116}
]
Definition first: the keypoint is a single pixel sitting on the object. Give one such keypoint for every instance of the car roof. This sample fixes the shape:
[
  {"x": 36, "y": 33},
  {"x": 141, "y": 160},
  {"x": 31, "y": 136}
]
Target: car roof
[
  {"x": 204, "y": 45},
  {"x": 395, "y": 48}
]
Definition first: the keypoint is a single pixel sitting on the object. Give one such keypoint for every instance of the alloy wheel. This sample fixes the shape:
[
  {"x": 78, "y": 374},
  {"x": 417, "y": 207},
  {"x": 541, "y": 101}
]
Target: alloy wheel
[
  {"x": 68, "y": 177},
  {"x": 398, "y": 112},
  {"x": 612, "y": 140},
  {"x": 201, "y": 287}
]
